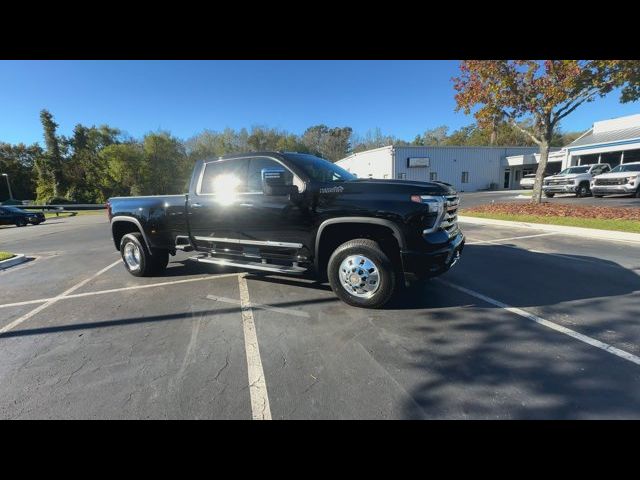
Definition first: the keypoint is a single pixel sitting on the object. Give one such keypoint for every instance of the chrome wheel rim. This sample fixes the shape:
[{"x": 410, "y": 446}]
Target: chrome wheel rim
[
  {"x": 132, "y": 256},
  {"x": 359, "y": 276}
]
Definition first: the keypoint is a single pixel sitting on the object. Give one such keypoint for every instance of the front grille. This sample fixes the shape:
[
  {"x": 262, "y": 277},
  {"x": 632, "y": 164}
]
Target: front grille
[
  {"x": 558, "y": 182},
  {"x": 611, "y": 181},
  {"x": 449, "y": 221}
]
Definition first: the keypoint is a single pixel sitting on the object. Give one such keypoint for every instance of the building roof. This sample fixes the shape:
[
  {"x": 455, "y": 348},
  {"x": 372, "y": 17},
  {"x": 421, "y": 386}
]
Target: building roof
[{"x": 593, "y": 138}]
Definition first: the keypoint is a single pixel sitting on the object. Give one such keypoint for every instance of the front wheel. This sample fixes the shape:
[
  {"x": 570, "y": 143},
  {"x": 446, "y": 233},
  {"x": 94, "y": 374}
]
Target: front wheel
[
  {"x": 598, "y": 196},
  {"x": 21, "y": 222},
  {"x": 361, "y": 274},
  {"x": 583, "y": 190},
  {"x": 637, "y": 194},
  {"x": 549, "y": 195},
  {"x": 137, "y": 259}
]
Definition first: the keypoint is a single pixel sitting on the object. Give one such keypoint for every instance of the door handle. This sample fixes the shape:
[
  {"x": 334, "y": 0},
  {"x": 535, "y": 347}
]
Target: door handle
[{"x": 195, "y": 205}]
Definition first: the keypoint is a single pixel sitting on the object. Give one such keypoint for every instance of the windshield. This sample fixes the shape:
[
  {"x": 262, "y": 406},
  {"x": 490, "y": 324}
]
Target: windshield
[
  {"x": 320, "y": 170},
  {"x": 627, "y": 168},
  {"x": 570, "y": 170}
]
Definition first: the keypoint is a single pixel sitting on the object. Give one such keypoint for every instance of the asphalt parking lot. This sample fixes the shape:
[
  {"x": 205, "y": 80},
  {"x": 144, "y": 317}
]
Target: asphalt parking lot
[
  {"x": 472, "y": 199},
  {"x": 527, "y": 325}
]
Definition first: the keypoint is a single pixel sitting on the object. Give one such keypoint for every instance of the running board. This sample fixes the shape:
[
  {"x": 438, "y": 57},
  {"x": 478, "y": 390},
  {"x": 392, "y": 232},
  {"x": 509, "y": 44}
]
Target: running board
[{"x": 267, "y": 267}]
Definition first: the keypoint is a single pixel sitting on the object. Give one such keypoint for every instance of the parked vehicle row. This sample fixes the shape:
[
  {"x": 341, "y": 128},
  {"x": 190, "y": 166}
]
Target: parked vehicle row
[{"x": 575, "y": 180}]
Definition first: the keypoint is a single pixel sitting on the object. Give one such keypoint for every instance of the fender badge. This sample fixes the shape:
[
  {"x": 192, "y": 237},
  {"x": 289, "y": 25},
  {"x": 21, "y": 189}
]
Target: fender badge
[{"x": 332, "y": 190}]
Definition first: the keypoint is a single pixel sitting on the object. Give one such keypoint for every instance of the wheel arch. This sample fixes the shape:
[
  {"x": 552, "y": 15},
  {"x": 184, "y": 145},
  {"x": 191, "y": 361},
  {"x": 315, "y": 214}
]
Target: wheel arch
[
  {"x": 121, "y": 225},
  {"x": 321, "y": 256}
]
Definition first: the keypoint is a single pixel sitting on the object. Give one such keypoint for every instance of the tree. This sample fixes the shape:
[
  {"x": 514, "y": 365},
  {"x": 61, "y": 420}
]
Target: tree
[
  {"x": 85, "y": 171},
  {"x": 166, "y": 164},
  {"x": 330, "y": 143},
  {"x": 435, "y": 136},
  {"x": 542, "y": 92},
  {"x": 49, "y": 166},
  {"x": 127, "y": 172},
  {"x": 18, "y": 161}
]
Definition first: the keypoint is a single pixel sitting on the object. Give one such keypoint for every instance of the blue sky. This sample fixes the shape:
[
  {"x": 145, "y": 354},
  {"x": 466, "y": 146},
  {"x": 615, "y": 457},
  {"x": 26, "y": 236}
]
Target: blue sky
[{"x": 403, "y": 98}]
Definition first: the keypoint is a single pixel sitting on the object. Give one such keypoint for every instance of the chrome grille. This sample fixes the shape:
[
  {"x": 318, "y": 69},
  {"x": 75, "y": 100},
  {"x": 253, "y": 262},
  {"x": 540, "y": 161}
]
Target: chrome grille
[
  {"x": 449, "y": 221},
  {"x": 558, "y": 182},
  {"x": 610, "y": 181}
]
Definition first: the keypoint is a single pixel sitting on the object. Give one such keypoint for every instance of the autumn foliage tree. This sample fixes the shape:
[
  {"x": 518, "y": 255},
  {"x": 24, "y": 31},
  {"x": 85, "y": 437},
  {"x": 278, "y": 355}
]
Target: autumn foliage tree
[{"x": 541, "y": 92}]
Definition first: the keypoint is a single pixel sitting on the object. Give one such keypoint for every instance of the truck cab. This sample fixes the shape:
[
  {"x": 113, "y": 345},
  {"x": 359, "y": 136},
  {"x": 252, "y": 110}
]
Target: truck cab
[{"x": 294, "y": 213}]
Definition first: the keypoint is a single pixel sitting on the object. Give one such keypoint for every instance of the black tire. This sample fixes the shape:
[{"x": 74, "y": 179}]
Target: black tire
[
  {"x": 35, "y": 222},
  {"x": 583, "y": 190},
  {"x": 598, "y": 196},
  {"x": 549, "y": 195},
  {"x": 387, "y": 276},
  {"x": 637, "y": 194},
  {"x": 141, "y": 263},
  {"x": 21, "y": 222}
]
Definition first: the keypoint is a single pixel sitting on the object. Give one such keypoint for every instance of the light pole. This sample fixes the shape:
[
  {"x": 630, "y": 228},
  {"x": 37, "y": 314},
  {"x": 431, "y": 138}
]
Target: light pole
[{"x": 8, "y": 185}]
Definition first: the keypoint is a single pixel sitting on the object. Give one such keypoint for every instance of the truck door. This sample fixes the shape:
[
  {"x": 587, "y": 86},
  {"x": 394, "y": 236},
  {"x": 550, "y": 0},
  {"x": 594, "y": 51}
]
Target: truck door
[
  {"x": 281, "y": 218},
  {"x": 215, "y": 207}
]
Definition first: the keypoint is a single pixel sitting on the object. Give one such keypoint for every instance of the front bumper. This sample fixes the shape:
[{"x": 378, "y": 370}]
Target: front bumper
[
  {"x": 613, "y": 189},
  {"x": 571, "y": 188},
  {"x": 416, "y": 264}
]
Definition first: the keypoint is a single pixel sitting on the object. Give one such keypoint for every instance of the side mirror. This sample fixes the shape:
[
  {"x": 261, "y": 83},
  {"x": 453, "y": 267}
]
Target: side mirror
[{"x": 274, "y": 182}]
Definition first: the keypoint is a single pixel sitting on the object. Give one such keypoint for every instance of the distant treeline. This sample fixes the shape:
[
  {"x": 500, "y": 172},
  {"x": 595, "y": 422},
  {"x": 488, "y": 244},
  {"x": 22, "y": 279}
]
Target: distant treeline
[{"x": 96, "y": 163}]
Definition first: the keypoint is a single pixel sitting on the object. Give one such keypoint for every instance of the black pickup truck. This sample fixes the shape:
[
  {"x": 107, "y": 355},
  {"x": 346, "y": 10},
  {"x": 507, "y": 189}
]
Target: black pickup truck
[{"x": 295, "y": 213}]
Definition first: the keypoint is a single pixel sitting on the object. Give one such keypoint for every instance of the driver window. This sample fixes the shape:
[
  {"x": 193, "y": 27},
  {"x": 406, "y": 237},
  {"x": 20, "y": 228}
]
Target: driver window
[{"x": 254, "y": 178}]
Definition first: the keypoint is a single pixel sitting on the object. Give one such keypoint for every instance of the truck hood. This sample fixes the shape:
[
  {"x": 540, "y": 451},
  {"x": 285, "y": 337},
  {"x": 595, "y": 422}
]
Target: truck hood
[
  {"x": 566, "y": 177},
  {"x": 618, "y": 175},
  {"x": 371, "y": 185}
]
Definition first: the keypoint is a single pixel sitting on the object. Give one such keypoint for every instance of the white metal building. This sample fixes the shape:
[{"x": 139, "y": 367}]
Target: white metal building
[{"x": 466, "y": 168}]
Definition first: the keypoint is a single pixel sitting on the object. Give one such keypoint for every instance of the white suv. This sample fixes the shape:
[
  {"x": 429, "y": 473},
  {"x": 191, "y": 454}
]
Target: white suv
[
  {"x": 625, "y": 178},
  {"x": 573, "y": 180}
]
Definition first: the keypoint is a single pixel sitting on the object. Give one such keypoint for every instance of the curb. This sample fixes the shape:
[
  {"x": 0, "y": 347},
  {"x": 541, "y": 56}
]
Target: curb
[
  {"x": 19, "y": 258},
  {"x": 573, "y": 231}
]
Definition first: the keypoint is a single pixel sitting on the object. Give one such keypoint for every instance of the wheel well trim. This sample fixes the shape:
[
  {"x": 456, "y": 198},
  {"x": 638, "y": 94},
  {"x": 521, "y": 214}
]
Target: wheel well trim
[
  {"x": 397, "y": 233},
  {"x": 136, "y": 222}
]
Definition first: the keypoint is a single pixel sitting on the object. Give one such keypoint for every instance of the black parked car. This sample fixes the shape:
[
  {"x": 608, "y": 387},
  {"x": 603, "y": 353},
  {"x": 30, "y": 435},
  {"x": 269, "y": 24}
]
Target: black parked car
[{"x": 18, "y": 217}]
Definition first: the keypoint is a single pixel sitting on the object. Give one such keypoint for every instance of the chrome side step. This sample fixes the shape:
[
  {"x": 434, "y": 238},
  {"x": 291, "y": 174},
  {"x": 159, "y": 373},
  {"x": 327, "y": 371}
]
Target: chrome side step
[{"x": 267, "y": 267}]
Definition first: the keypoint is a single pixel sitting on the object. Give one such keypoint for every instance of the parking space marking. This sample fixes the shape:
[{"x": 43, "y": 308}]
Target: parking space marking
[
  {"x": 260, "y": 409},
  {"x": 261, "y": 306},
  {"x": 53, "y": 300},
  {"x": 121, "y": 289},
  {"x": 554, "y": 326},
  {"x": 478, "y": 242}
]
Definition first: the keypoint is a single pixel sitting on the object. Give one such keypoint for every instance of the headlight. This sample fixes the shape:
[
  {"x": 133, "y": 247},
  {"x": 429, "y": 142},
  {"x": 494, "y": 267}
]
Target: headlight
[
  {"x": 435, "y": 204},
  {"x": 631, "y": 179}
]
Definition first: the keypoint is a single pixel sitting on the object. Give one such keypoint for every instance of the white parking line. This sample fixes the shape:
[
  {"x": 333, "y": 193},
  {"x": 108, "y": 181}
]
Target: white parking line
[
  {"x": 261, "y": 306},
  {"x": 260, "y": 409},
  {"x": 53, "y": 300},
  {"x": 478, "y": 242},
  {"x": 121, "y": 289},
  {"x": 554, "y": 326}
]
